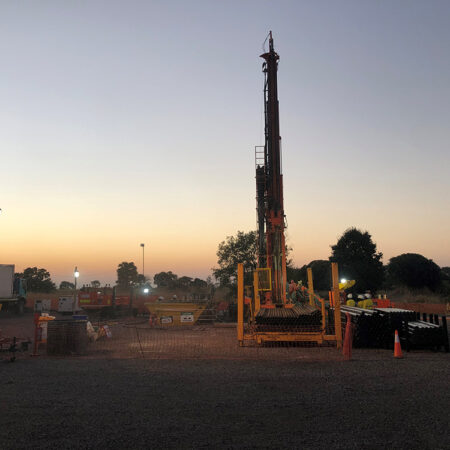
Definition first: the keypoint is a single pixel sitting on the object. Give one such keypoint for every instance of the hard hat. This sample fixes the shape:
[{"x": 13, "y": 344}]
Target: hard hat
[{"x": 361, "y": 297}]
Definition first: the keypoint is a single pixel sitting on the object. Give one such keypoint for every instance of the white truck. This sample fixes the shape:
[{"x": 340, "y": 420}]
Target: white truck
[{"x": 12, "y": 289}]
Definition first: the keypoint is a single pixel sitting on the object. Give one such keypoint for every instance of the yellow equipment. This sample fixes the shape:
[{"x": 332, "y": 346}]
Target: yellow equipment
[
  {"x": 169, "y": 314},
  {"x": 293, "y": 326},
  {"x": 346, "y": 285}
]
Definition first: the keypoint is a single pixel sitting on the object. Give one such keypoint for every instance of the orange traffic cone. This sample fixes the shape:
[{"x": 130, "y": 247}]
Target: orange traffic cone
[
  {"x": 348, "y": 339},
  {"x": 397, "y": 346}
]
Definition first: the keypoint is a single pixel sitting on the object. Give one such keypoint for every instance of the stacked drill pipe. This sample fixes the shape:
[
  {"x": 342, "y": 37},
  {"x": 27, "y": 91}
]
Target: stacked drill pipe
[
  {"x": 298, "y": 318},
  {"x": 369, "y": 330},
  {"x": 375, "y": 328},
  {"x": 394, "y": 319},
  {"x": 424, "y": 334}
]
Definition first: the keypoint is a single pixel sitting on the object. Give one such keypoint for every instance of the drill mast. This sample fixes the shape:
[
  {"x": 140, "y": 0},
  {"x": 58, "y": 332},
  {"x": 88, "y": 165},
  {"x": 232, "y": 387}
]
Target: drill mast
[{"x": 269, "y": 185}]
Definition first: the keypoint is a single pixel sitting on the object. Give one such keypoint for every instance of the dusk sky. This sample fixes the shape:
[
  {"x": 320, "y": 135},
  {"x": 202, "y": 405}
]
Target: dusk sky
[{"x": 124, "y": 122}]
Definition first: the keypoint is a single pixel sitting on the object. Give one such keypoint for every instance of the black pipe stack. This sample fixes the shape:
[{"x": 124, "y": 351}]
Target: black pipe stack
[
  {"x": 289, "y": 319},
  {"x": 375, "y": 328}
]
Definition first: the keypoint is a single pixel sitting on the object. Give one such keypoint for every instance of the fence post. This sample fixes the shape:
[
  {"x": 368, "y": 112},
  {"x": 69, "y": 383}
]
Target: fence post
[
  {"x": 337, "y": 305},
  {"x": 310, "y": 286},
  {"x": 256, "y": 292},
  {"x": 240, "y": 309},
  {"x": 36, "y": 334},
  {"x": 445, "y": 333}
]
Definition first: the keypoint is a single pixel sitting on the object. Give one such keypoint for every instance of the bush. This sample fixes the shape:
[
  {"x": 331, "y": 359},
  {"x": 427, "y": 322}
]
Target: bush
[{"x": 414, "y": 271}]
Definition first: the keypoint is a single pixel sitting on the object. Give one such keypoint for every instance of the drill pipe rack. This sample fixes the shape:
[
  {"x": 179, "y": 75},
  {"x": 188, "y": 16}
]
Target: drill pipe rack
[{"x": 289, "y": 323}]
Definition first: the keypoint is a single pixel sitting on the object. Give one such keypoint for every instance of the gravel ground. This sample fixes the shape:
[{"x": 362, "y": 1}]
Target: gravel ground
[{"x": 366, "y": 403}]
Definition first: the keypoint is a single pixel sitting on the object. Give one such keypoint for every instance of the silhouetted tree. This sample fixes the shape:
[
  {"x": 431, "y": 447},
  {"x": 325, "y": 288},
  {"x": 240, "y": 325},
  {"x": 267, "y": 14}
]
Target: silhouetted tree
[
  {"x": 95, "y": 284},
  {"x": 321, "y": 270},
  {"x": 357, "y": 256},
  {"x": 66, "y": 285},
  {"x": 37, "y": 280},
  {"x": 141, "y": 279},
  {"x": 198, "y": 283},
  {"x": 241, "y": 248},
  {"x": 127, "y": 274},
  {"x": 184, "y": 282},
  {"x": 414, "y": 271},
  {"x": 165, "y": 279},
  {"x": 294, "y": 273},
  {"x": 445, "y": 273}
]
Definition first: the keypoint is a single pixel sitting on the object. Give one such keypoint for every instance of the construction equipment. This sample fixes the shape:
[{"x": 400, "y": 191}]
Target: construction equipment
[
  {"x": 96, "y": 297},
  {"x": 269, "y": 186},
  {"x": 12, "y": 289},
  {"x": 109, "y": 298},
  {"x": 285, "y": 321},
  {"x": 169, "y": 314}
]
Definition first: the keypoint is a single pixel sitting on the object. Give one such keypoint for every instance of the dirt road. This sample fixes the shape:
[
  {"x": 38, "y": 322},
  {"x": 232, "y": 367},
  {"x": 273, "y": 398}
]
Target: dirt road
[{"x": 86, "y": 403}]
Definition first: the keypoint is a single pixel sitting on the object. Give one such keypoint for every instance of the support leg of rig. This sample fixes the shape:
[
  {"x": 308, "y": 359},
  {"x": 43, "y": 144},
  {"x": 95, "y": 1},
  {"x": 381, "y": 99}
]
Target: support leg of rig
[
  {"x": 337, "y": 304},
  {"x": 256, "y": 292},
  {"x": 310, "y": 286},
  {"x": 240, "y": 305}
]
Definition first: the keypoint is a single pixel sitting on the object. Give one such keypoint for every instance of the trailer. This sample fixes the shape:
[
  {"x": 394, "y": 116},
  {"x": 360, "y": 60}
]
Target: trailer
[{"x": 12, "y": 290}]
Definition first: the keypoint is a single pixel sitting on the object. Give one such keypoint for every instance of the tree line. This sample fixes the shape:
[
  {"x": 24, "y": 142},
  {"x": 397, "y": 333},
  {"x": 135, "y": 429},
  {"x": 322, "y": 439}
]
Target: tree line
[
  {"x": 127, "y": 275},
  {"x": 39, "y": 279},
  {"x": 357, "y": 257},
  {"x": 354, "y": 251}
]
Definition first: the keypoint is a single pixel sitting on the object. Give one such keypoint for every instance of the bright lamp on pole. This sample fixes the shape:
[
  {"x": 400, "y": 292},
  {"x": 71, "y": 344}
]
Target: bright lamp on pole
[
  {"x": 76, "y": 274},
  {"x": 143, "y": 271}
]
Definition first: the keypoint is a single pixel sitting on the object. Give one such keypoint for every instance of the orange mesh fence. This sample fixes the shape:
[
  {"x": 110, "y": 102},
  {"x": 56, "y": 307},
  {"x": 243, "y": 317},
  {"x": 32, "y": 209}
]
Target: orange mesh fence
[{"x": 137, "y": 338}]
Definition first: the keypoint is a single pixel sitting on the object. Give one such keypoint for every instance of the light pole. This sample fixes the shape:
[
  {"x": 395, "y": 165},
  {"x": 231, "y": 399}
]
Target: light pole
[
  {"x": 76, "y": 274},
  {"x": 143, "y": 272}
]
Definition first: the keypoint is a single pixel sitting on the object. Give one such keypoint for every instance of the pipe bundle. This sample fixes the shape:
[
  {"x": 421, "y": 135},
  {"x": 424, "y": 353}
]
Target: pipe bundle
[
  {"x": 375, "y": 328},
  {"x": 298, "y": 315},
  {"x": 424, "y": 334}
]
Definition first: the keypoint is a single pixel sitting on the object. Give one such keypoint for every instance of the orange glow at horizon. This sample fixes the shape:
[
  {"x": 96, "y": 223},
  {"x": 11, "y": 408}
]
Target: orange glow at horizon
[{"x": 101, "y": 152}]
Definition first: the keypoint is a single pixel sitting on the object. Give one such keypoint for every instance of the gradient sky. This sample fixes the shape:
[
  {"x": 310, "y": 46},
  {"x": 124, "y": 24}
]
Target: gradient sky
[{"x": 136, "y": 121}]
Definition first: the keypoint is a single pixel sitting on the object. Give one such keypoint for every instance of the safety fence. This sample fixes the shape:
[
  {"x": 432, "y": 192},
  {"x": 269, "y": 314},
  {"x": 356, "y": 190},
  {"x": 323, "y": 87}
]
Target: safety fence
[{"x": 141, "y": 338}]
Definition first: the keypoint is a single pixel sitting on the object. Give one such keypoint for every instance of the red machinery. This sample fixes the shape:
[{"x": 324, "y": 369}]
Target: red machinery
[
  {"x": 95, "y": 298},
  {"x": 90, "y": 298}
]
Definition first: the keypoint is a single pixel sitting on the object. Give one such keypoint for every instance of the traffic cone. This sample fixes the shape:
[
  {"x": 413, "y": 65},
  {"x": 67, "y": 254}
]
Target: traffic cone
[
  {"x": 397, "y": 346},
  {"x": 348, "y": 339}
]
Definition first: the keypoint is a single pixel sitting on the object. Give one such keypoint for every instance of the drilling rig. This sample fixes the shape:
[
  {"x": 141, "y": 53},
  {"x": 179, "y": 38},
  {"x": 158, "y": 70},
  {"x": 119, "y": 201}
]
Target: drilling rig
[
  {"x": 269, "y": 186},
  {"x": 273, "y": 317}
]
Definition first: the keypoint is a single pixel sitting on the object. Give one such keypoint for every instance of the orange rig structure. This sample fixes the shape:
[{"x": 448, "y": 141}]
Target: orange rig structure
[{"x": 272, "y": 316}]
